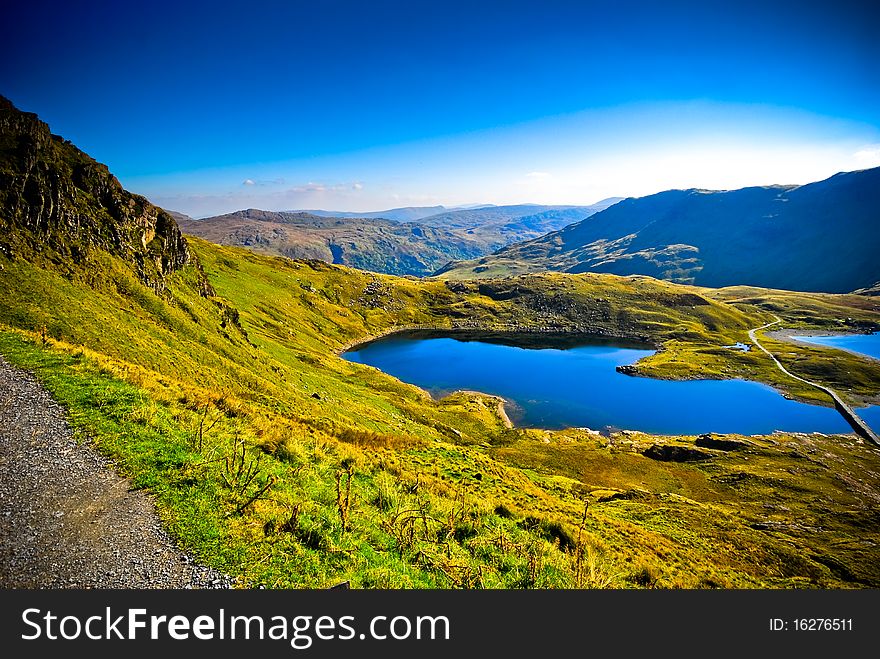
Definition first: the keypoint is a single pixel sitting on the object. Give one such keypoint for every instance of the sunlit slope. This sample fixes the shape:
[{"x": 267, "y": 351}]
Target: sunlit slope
[
  {"x": 402, "y": 242},
  {"x": 172, "y": 386}
]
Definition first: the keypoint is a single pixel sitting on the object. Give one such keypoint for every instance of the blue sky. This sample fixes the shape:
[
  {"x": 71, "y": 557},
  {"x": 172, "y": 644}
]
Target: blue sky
[{"x": 207, "y": 108}]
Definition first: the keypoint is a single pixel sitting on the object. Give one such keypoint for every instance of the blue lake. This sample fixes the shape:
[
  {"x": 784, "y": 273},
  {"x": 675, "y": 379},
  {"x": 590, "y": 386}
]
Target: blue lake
[
  {"x": 866, "y": 344},
  {"x": 870, "y": 415},
  {"x": 576, "y": 385}
]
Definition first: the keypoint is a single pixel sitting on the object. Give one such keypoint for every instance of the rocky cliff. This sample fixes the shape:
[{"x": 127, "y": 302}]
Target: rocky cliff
[{"x": 59, "y": 205}]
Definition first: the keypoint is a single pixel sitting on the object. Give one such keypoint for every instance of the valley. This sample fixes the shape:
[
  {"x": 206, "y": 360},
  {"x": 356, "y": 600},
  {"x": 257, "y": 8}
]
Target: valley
[
  {"x": 211, "y": 377},
  {"x": 405, "y": 243},
  {"x": 167, "y": 388}
]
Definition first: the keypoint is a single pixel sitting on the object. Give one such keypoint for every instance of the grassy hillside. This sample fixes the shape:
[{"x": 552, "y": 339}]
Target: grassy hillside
[
  {"x": 816, "y": 237},
  {"x": 276, "y": 460}
]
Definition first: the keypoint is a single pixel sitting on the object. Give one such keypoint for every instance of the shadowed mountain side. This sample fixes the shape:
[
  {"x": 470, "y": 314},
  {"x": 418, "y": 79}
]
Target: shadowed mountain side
[{"x": 817, "y": 237}]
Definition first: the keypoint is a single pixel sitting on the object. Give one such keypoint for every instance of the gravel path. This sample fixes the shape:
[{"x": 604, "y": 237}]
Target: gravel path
[{"x": 67, "y": 520}]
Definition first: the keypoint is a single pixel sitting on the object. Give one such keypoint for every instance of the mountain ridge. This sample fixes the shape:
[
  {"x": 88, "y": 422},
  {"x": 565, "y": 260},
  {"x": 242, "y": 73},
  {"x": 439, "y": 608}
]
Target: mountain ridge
[
  {"x": 769, "y": 236},
  {"x": 418, "y": 247},
  {"x": 378, "y": 245},
  {"x": 402, "y": 214}
]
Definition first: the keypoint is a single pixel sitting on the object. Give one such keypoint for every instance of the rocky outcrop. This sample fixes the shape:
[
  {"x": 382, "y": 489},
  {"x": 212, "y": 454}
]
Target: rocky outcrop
[
  {"x": 870, "y": 290},
  {"x": 672, "y": 453},
  {"x": 633, "y": 494},
  {"x": 59, "y": 205},
  {"x": 720, "y": 444}
]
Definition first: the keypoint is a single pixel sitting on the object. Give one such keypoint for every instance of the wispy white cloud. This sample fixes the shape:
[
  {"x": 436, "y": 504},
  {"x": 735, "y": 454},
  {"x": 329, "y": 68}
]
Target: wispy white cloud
[
  {"x": 869, "y": 156},
  {"x": 263, "y": 183},
  {"x": 311, "y": 186}
]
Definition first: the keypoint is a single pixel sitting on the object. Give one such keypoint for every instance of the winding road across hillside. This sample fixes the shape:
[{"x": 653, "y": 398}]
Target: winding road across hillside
[
  {"x": 66, "y": 519},
  {"x": 857, "y": 423}
]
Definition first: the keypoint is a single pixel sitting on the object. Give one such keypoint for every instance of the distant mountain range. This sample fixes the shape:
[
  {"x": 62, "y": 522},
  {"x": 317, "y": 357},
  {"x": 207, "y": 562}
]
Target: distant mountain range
[
  {"x": 416, "y": 247},
  {"x": 406, "y": 214},
  {"x": 366, "y": 243},
  {"x": 523, "y": 218},
  {"x": 822, "y": 236}
]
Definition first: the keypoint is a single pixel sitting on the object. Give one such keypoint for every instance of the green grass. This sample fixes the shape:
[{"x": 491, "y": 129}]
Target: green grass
[
  {"x": 180, "y": 389},
  {"x": 791, "y": 500}
]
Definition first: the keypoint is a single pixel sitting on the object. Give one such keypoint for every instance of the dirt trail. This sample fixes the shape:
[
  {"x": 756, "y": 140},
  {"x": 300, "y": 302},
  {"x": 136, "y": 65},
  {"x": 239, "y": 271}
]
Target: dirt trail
[{"x": 67, "y": 520}]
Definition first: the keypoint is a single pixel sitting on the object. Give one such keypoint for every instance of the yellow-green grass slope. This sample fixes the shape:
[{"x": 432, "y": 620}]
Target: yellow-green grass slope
[{"x": 276, "y": 460}]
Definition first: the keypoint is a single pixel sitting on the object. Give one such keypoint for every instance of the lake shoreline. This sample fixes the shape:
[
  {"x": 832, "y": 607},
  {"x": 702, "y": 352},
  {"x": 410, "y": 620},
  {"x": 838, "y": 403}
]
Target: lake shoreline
[
  {"x": 584, "y": 387},
  {"x": 793, "y": 336},
  {"x": 500, "y": 401},
  {"x": 511, "y": 332}
]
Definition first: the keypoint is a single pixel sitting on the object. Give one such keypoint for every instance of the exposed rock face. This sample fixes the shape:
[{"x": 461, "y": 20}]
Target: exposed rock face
[
  {"x": 671, "y": 453},
  {"x": 871, "y": 290},
  {"x": 58, "y": 204},
  {"x": 720, "y": 444},
  {"x": 633, "y": 494}
]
